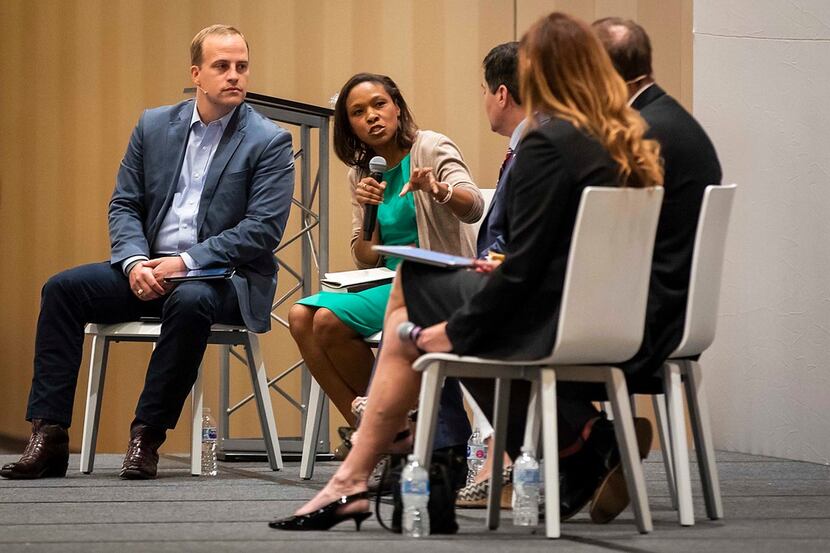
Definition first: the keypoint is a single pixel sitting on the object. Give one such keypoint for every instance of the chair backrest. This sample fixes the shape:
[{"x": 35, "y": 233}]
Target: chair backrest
[
  {"x": 707, "y": 266},
  {"x": 487, "y": 194},
  {"x": 603, "y": 307}
]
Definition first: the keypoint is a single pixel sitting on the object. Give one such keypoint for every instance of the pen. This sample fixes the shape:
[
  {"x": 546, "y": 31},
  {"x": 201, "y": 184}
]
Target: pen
[{"x": 494, "y": 256}]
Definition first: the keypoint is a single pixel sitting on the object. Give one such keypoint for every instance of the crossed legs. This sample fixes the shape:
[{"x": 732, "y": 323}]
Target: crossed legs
[
  {"x": 336, "y": 355},
  {"x": 394, "y": 392}
]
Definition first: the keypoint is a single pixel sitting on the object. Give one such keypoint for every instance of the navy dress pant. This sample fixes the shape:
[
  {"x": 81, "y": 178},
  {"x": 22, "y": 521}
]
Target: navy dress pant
[{"x": 100, "y": 293}]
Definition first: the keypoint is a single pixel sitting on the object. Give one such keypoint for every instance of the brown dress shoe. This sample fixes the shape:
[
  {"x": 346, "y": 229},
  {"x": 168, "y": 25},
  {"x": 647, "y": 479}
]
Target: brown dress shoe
[
  {"x": 46, "y": 454},
  {"x": 142, "y": 458}
]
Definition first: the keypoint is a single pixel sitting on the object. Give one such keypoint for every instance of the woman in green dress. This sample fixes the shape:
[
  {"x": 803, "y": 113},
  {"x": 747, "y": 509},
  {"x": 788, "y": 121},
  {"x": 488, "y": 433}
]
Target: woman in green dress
[{"x": 426, "y": 198}]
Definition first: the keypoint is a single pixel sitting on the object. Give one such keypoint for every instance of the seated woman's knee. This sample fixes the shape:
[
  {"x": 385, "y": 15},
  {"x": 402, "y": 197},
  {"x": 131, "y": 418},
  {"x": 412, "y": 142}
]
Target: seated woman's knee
[
  {"x": 300, "y": 320},
  {"x": 329, "y": 329}
]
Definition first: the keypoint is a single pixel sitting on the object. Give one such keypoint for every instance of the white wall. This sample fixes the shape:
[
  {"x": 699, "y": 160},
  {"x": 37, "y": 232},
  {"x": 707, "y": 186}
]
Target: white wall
[{"x": 762, "y": 91}]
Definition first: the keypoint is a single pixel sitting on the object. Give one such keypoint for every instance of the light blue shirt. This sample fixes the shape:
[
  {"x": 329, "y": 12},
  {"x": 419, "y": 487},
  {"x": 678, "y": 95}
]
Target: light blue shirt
[
  {"x": 517, "y": 135},
  {"x": 178, "y": 230}
]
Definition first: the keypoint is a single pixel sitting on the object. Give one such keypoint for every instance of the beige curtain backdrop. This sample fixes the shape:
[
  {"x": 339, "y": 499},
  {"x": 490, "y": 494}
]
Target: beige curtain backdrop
[{"x": 77, "y": 73}]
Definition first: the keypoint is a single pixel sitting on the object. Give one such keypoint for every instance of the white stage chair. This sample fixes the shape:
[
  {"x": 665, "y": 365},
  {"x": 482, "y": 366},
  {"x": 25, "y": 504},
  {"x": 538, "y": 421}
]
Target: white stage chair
[
  {"x": 228, "y": 335},
  {"x": 698, "y": 335},
  {"x": 601, "y": 323}
]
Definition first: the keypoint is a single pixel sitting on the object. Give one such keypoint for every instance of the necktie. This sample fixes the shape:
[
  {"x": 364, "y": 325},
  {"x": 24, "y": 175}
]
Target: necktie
[{"x": 504, "y": 163}]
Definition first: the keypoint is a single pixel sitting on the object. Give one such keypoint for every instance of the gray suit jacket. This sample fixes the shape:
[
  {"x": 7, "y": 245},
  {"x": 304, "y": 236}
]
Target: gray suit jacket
[{"x": 244, "y": 205}]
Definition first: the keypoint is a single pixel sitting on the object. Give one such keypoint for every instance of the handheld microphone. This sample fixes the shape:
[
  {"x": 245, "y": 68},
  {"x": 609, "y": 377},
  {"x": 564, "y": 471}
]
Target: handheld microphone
[
  {"x": 409, "y": 332},
  {"x": 377, "y": 165}
]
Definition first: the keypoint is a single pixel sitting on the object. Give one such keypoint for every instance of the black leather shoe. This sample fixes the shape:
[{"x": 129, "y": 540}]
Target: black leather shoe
[
  {"x": 324, "y": 517},
  {"x": 576, "y": 488},
  {"x": 611, "y": 497},
  {"x": 142, "y": 458},
  {"x": 46, "y": 454},
  {"x": 582, "y": 473}
]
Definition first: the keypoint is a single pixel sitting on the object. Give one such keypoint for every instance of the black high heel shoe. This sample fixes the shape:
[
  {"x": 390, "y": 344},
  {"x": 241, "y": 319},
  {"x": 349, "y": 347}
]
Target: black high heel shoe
[{"x": 324, "y": 517}]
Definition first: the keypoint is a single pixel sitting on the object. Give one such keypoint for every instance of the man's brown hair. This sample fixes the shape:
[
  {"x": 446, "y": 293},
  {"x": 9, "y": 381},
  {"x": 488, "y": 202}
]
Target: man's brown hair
[
  {"x": 628, "y": 46},
  {"x": 199, "y": 39}
]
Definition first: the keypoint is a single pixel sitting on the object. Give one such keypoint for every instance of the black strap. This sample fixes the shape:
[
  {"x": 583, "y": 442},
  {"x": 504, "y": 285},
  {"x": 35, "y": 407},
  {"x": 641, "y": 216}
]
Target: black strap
[{"x": 384, "y": 475}]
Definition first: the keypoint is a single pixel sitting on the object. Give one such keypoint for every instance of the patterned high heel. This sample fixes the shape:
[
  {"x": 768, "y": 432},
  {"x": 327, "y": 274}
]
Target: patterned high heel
[{"x": 324, "y": 517}]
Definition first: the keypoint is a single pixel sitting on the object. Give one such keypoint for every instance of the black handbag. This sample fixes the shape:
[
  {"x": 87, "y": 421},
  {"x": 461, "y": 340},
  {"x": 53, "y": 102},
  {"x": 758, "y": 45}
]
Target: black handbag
[{"x": 447, "y": 475}]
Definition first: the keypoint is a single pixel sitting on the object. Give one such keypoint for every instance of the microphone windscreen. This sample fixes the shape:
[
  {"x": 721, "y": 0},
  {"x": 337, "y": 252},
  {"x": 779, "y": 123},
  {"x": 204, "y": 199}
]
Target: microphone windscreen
[
  {"x": 405, "y": 331},
  {"x": 377, "y": 165}
]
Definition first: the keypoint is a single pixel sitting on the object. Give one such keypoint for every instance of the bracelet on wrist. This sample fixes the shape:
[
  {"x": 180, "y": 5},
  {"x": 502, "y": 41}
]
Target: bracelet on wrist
[{"x": 446, "y": 198}]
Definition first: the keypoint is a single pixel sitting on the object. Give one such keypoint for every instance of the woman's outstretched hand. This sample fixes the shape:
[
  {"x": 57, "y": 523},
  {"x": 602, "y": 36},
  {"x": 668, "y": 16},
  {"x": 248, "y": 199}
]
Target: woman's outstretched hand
[{"x": 422, "y": 179}]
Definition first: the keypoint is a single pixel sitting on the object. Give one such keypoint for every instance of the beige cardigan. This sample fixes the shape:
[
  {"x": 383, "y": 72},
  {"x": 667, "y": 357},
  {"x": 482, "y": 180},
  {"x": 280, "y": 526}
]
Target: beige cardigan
[{"x": 439, "y": 228}]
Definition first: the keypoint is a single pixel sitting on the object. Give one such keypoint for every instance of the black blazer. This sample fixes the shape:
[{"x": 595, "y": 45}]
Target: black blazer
[
  {"x": 512, "y": 314},
  {"x": 691, "y": 164}
]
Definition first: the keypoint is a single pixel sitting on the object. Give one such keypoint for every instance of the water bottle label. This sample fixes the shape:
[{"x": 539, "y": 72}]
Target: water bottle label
[
  {"x": 209, "y": 433},
  {"x": 477, "y": 452},
  {"x": 527, "y": 476},
  {"x": 415, "y": 488}
]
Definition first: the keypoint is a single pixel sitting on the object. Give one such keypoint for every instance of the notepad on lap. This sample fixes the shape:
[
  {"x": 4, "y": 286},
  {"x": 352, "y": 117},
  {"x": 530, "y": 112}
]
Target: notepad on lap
[
  {"x": 202, "y": 274},
  {"x": 355, "y": 281},
  {"x": 428, "y": 257}
]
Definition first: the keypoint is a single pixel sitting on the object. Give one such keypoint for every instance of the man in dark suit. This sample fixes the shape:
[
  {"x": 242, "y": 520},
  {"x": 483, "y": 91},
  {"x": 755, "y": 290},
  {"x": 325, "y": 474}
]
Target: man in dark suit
[
  {"x": 203, "y": 184},
  {"x": 691, "y": 164},
  {"x": 506, "y": 115}
]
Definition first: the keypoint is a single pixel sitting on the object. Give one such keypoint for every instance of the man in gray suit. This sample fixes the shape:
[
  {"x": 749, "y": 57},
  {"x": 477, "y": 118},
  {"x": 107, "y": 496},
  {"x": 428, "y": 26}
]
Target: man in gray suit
[{"x": 203, "y": 184}]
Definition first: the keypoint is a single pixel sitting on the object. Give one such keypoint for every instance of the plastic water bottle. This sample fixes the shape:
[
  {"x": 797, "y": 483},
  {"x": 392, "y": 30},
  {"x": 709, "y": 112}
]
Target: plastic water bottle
[
  {"x": 526, "y": 483},
  {"x": 415, "y": 497},
  {"x": 209, "y": 467},
  {"x": 476, "y": 455}
]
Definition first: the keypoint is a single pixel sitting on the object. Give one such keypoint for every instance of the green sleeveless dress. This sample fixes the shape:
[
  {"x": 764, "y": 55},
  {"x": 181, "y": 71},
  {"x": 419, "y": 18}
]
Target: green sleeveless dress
[{"x": 363, "y": 311}]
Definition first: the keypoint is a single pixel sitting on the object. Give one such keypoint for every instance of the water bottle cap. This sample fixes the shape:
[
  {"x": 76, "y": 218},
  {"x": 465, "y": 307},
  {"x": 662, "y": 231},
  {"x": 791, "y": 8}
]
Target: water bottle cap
[
  {"x": 206, "y": 410},
  {"x": 411, "y": 457},
  {"x": 529, "y": 450}
]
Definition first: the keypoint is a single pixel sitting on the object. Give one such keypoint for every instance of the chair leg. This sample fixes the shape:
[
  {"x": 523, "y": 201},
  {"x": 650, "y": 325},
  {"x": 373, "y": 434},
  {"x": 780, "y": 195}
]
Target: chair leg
[
  {"x": 679, "y": 446},
  {"x": 259, "y": 381},
  {"x": 94, "y": 394},
  {"x": 502, "y": 399},
  {"x": 606, "y": 406},
  {"x": 432, "y": 381},
  {"x": 627, "y": 442},
  {"x": 534, "y": 418},
  {"x": 223, "y": 431},
  {"x": 550, "y": 443},
  {"x": 479, "y": 419},
  {"x": 197, "y": 402},
  {"x": 659, "y": 402},
  {"x": 311, "y": 432},
  {"x": 699, "y": 411}
]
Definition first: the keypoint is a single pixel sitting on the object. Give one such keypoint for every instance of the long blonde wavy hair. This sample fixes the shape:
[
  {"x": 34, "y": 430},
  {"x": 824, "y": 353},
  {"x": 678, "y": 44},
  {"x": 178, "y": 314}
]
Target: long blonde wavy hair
[{"x": 564, "y": 71}]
